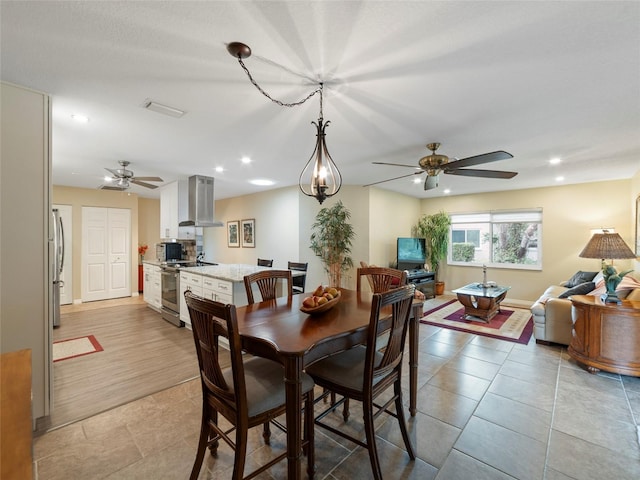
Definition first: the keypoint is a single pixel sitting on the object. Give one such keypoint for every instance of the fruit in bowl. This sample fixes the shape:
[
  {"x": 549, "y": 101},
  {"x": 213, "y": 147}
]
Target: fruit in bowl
[{"x": 322, "y": 299}]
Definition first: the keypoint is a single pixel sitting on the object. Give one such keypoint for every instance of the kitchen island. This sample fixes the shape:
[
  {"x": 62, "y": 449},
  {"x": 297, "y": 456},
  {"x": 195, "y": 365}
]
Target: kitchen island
[{"x": 223, "y": 283}]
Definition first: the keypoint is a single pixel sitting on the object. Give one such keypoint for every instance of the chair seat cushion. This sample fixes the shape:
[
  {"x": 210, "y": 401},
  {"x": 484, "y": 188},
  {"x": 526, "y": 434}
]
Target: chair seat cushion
[
  {"x": 345, "y": 368},
  {"x": 264, "y": 380}
]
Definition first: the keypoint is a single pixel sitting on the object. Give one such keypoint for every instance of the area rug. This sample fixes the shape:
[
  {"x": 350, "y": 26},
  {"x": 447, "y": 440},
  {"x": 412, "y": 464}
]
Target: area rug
[
  {"x": 510, "y": 324},
  {"x": 75, "y": 347}
]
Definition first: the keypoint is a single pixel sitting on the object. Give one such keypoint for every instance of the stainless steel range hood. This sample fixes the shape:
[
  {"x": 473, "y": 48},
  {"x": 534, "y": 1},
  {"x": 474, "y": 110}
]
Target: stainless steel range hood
[{"x": 201, "y": 203}]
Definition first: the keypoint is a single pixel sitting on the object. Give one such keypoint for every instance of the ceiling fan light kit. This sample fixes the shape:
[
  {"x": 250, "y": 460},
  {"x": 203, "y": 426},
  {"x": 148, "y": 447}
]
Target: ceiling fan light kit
[{"x": 320, "y": 178}]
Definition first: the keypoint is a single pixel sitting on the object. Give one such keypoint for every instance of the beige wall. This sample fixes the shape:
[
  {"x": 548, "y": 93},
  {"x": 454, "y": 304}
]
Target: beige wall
[
  {"x": 149, "y": 224},
  {"x": 84, "y": 197},
  {"x": 391, "y": 215},
  {"x": 569, "y": 212},
  {"x": 284, "y": 218},
  {"x": 283, "y": 224}
]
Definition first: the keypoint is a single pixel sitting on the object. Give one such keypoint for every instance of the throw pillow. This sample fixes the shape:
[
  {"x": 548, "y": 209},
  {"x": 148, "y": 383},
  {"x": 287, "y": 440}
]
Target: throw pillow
[
  {"x": 580, "y": 277},
  {"x": 581, "y": 289},
  {"x": 598, "y": 278}
]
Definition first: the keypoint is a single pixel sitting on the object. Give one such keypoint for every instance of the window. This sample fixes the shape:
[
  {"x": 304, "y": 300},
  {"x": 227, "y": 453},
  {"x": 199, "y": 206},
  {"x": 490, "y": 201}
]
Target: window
[
  {"x": 509, "y": 239},
  {"x": 466, "y": 236}
]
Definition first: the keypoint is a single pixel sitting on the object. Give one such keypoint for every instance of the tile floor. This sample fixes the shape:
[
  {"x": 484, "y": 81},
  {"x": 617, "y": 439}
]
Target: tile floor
[{"x": 488, "y": 409}]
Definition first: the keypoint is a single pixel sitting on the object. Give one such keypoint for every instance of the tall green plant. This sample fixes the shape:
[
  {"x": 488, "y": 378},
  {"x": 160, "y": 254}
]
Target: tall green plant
[
  {"x": 435, "y": 229},
  {"x": 331, "y": 240}
]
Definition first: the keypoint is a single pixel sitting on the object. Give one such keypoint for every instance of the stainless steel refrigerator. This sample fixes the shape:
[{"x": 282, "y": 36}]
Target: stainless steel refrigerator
[{"x": 58, "y": 263}]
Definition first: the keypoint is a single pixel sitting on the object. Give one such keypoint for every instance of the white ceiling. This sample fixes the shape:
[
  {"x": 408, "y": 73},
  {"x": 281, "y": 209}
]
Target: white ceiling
[{"x": 537, "y": 79}]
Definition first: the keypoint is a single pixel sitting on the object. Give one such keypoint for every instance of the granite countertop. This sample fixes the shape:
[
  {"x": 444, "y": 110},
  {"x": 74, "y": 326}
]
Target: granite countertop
[
  {"x": 155, "y": 263},
  {"x": 232, "y": 272}
]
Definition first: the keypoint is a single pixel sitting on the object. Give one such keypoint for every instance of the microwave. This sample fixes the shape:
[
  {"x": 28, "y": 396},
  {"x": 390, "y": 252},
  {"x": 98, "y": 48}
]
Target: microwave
[{"x": 168, "y": 251}]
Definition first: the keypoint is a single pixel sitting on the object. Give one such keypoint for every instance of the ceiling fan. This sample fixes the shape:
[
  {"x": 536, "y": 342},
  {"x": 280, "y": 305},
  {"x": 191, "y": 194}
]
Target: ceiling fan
[
  {"x": 435, "y": 163},
  {"x": 122, "y": 178}
]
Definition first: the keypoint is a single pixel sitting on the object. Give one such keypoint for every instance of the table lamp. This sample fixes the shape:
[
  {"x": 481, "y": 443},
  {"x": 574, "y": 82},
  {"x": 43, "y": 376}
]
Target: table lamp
[{"x": 608, "y": 245}]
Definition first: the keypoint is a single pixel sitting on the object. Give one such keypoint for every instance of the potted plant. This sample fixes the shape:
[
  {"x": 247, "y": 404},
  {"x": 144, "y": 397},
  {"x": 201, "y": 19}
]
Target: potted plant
[
  {"x": 435, "y": 229},
  {"x": 331, "y": 241}
]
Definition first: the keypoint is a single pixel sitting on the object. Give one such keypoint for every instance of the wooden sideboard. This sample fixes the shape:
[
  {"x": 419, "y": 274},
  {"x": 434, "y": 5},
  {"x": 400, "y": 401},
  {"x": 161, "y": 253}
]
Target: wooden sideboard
[
  {"x": 606, "y": 336},
  {"x": 16, "y": 459}
]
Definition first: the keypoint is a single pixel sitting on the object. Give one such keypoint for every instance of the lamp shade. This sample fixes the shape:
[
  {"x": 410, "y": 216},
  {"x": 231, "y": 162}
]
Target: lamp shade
[{"x": 607, "y": 245}]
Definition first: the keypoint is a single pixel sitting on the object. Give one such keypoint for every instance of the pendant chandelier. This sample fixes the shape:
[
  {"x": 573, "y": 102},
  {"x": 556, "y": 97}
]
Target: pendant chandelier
[{"x": 320, "y": 178}]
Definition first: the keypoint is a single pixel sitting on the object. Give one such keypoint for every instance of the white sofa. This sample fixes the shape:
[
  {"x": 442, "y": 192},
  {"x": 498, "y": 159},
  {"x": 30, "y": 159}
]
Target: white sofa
[{"x": 552, "y": 314}]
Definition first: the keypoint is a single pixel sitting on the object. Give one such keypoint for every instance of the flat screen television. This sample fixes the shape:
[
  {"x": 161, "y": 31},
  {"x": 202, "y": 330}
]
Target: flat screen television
[{"x": 412, "y": 253}]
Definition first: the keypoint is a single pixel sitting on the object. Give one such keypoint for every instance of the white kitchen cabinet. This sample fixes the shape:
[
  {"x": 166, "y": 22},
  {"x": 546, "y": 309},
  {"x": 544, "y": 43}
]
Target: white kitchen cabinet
[
  {"x": 169, "y": 210},
  {"x": 152, "y": 286},
  {"x": 193, "y": 282},
  {"x": 218, "y": 290}
]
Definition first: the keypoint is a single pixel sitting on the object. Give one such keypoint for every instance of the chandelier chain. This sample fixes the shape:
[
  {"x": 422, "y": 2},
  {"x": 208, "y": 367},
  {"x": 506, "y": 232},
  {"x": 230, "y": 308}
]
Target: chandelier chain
[{"x": 275, "y": 100}]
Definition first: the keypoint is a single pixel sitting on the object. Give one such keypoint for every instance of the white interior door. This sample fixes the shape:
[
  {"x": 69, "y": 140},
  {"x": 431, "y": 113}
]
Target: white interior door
[
  {"x": 66, "y": 289},
  {"x": 106, "y": 264},
  {"x": 119, "y": 245}
]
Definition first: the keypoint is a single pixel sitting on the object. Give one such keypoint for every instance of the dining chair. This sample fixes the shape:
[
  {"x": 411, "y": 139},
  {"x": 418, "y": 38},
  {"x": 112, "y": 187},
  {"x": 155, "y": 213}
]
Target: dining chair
[
  {"x": 267, "y": 282},
  {"x": 364, "y": 372},
  {"x": 248, "y": 393},
  {"x": 380, "y": 279},
  {"x": 265, "y": 263},
  {"x": 299, "y": 281}
]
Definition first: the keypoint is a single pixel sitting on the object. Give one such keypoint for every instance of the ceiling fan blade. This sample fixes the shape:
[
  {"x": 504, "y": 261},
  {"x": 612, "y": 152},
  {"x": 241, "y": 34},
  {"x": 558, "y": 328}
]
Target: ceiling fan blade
[
  {"x": 111, "y": 187},
  {"x": 389, "y": 179},
  {"x": 115, "y": 173},
  {"x": 397, "y": 165},
  {"x": 479, "y": 159},
  {"x": 468, "y": 172},
  {"x": 148, "y": 179},
  {"x": 142, "y": 184}
]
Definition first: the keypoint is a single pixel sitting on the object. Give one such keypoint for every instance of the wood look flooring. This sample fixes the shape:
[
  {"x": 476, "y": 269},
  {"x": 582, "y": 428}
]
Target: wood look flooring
[{"x": 143, "y": 354}]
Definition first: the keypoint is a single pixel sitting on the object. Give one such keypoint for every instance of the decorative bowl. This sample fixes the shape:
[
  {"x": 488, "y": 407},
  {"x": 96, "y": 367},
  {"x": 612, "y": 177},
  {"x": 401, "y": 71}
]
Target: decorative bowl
[{"x": 322, "y": 308}]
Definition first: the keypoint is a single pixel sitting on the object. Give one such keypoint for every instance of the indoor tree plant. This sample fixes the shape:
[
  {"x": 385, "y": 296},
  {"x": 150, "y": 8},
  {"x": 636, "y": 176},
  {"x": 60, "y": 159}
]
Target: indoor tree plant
[
  {"x": 435, "y": 229},
  {"x": 331, "y": 240}
]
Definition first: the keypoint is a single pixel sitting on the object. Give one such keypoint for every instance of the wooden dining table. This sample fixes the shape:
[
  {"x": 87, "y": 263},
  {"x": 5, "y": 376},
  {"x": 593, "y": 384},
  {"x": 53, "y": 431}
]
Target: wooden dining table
[{"x": 279, "y": 330}]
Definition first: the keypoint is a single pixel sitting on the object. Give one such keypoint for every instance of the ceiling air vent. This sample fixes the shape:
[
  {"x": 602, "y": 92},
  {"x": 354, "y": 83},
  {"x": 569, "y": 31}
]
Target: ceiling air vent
[{"x": 163, "y": 109}]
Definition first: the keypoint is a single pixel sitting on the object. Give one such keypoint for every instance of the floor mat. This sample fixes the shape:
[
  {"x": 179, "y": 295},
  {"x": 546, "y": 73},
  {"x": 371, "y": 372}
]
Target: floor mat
[
  {"x": 510, "y": 324},
  {"x": 75, "y": 347}
]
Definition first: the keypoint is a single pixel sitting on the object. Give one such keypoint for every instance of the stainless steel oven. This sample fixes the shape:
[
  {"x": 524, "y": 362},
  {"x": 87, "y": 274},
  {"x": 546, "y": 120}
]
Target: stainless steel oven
[{"x": 170, "y": 290}]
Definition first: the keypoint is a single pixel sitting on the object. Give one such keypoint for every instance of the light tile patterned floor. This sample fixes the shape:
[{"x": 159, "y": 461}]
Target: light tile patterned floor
[{"x": 488, "y": 409}]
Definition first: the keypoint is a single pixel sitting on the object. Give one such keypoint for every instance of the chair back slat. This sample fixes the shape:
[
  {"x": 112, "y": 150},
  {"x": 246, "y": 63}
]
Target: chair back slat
[
  {"x": 263, "y": 262},
  {"x": 209, "y": 321},
  {"x": 299, "y": 281},
  {"x": 267, "y": 282},
  {"x": 398, "y": 301},
  {"x": 381, "y": 279}
]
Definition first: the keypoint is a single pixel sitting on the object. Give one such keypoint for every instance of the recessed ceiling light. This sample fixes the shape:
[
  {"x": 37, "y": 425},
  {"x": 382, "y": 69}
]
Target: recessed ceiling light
[
  {"x": 417, "y": 180},
  {"x": 80, "y": 118},
  {"x": 262, "y": 182},
  {"x": 246, "y": 160},
  {"x": 219, "y": 169},
  {"x": 560, "y": 179},
  {"x": 554, "y": 161},
  {"x": 447, "y": 191},
  {"x": 107, "y": 179}
]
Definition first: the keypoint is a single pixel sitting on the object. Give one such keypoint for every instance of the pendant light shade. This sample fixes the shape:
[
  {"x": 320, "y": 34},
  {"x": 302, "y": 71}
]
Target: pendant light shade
[{"x": 320, "y": 177}]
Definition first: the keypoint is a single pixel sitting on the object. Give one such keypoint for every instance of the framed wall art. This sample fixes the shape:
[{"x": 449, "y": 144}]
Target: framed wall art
[
  {"x": 233, "y": 234},
  {"x": 248, "y": 229}
]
